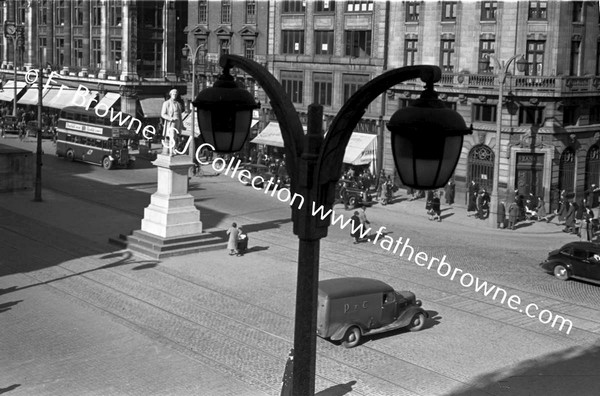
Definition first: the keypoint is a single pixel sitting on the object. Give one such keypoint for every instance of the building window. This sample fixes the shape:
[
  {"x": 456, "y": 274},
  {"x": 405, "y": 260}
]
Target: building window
[
  {"x": 324, "y": 6},
  {"x": 449, "y": 10},
  {"x": 203, "y": 11},
  {"x": 595, "y": 114},
  {"x": 292, "y": 82},
  {"x": 224, "y": 46},
  {"x": 577, "y": 11},
  {"x": 535, "y": 57},
  {"x": 486, "y": 48},
  {"x": 484, "y": 112},
  {"x": 59, "y": 14},
  {"x": 352, "y": 82},
  {"x": 96, "y": 13},
  {"x": 323, "y": 42},
  {"x": 78, "y": 49},
  {"x": 359, "y": 5},
  {"x": 412, "y": 11},
  {"x": 78, "y": 13},
  {"x": 293, "y": 6},
  {"x": 115, "y": 54},
  {"x": 60, "y": 51},
  {"x": 410, "y": 51},
  {"x": 21, "y": 12},
  {"x": 97, "y": 53},
  {"x": 251, "y": 12},
  {"x": 115, "y": 14},
  {"x": 226, "y": 11},
  {"x": 43, "y": 50},
  {"x": 43, "y": 13},
  {"x": 292, "y": 42},
  {"x": 538, "y": 10},
  {"x": 569, "y": 115},
  {"x": 358, "y": 43},
  {"x": 249, "y": 49},
  {"x": 151, "y": 14},
  {"x": 447, "y": 55},
  {"x": 531, "y": 115},
  {"x": 150, "y": 53},
  {"x": 488, "y": 10},
  {"x": 322, "y": 89},
  {"x": 574, "y": 64}
]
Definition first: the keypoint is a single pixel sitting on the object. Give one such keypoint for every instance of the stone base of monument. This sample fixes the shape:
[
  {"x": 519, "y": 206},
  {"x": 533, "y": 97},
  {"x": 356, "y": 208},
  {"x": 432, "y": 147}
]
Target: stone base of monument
[{"x": 171, "y": 224}]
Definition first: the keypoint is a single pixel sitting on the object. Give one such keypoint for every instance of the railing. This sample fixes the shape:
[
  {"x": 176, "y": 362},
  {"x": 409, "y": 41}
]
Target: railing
[{"x": 557, "y": 84}]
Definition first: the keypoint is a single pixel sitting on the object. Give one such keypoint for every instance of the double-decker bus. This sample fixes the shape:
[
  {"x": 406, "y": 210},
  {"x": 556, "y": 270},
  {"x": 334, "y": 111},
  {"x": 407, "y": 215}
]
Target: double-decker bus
[{"x": 83, "y": 136}]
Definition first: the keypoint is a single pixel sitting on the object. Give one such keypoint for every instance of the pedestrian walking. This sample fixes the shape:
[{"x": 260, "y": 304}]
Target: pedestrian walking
[
  {"x": 362, "y": 215},
  {"x": 570, "y": 218},
  {"x": 242, "y": 243},
  {"x": 587, "y": 224},
  {"x": 344, "y": 194},
  {"x": 473, "y": 191},
  {"x": 355, "y": 231},
  {"x": 541, "y": 210},
  {"x": 513, "y": 215},
  {"x": 435, "y": 211},
  {"x": 288, "y": 375},
  {"x": 234, "y": 234},
  {"x": 501, "y": 215}
]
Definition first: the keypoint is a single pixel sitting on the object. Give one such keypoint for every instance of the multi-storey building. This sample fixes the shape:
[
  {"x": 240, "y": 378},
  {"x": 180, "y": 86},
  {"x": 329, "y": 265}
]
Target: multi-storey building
[
  {"x": 130, "y": 49},
  {"x": 550, "y": 123}
]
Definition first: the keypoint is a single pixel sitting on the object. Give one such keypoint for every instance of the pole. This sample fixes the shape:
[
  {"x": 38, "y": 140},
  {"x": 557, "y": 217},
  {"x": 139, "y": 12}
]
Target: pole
[
  {"x": 493, "y": 212},
  {"x": 38, "y": 157},
  {"x": 15, "y": 74},
  {"x": 192, "y": 142}
]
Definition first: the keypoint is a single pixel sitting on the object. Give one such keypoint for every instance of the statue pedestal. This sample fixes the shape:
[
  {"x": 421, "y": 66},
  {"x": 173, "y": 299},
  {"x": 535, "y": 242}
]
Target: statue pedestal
[{"x": 171, "y": 224}]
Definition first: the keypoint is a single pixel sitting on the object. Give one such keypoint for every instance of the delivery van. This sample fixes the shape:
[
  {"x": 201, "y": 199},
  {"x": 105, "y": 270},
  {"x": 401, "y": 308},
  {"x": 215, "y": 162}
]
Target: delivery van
[{"x": 350, "y": 308}]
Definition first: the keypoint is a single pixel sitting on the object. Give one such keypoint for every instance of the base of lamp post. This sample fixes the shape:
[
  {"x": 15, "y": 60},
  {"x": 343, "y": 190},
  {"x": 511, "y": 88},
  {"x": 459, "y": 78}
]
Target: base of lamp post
[{"x": 171, "y": 223}]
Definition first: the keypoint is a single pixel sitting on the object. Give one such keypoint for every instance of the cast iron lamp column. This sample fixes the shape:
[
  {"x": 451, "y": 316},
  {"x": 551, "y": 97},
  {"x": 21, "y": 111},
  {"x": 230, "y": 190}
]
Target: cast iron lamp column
[
  {"x": 501, "y": 75},
  {"x": 314, "y": 164},
  {"x": 185, "y": 52}
]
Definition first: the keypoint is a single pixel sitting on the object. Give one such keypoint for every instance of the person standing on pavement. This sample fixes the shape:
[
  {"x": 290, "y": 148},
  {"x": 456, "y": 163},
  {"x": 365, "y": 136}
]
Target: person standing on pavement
[
  {"x": 288, "y": 375},
  {"x": 473, "y": 190},
  {"x": 436, "y": 212},
  {"x": 234, "y": 233},
  {"x": 501, "y": 216},
  {"x": 513, "y": 215},
  {"x": 356, "y": 227},
  {"x": 587, "y": 224},
  {"x": 541, "y": 210},
  {"x": 362, "y": 215},
  {"x": 570, "y": 218}
]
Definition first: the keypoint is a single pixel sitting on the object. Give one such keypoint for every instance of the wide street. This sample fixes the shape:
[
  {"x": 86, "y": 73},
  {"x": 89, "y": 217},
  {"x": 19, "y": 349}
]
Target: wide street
[{"x": 211, "y": 324}]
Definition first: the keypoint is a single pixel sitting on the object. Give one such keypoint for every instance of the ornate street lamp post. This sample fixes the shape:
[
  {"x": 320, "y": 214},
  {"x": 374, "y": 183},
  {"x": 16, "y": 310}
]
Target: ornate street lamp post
[
  {"x": 502, "y": 72},
  {"x": 427, "y": 140}
]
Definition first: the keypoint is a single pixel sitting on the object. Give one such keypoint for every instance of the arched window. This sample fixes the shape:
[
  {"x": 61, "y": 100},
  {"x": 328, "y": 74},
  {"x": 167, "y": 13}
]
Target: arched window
[
  {"x": 481, "y": 166},
  {"x": 592, "y": 167},
  {"x": 566, "y": 171}
]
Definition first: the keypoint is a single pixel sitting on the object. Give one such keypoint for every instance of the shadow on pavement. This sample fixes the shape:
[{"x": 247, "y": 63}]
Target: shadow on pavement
[
  {"x": 548, "y": 375},
  {"x": 337, "y": 390},
  {"x": 9, "y": 388},
  {"x": 7, "y": 306}
]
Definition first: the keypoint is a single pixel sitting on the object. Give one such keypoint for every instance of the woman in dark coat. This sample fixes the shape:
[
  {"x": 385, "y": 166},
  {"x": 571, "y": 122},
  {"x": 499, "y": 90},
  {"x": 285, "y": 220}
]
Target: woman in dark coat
[
  {"x": 355, "y": 231},
  {"x": 570, "y": 218},
  {"x": 473, "y": 190},
  {"x": 501, "y": 214}
]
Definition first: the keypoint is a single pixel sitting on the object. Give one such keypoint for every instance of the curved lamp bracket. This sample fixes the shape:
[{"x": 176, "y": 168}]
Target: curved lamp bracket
[
  {"x": 289, "y": 122},
  {"x": 331, "y": 156}
]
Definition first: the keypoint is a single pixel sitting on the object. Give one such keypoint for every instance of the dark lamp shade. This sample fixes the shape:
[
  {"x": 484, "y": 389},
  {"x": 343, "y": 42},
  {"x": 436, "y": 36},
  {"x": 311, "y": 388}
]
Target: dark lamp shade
[
  {"x": 224, "y": 129},
  {"x": 224, "y": 115},
  {"x": 426, "y": 142}
]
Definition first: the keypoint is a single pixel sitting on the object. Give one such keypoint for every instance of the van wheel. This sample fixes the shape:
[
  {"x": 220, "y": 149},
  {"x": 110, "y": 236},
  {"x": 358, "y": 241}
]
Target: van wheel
[
  {"x": 352, "y": 337},
  {"x": 352, "y": 202},
  {"x": 417, "y": 322},
  {"x": 107, "y": 163},
  {"x": 70, "y": 155},
  {"x": 561, "y": 272}
]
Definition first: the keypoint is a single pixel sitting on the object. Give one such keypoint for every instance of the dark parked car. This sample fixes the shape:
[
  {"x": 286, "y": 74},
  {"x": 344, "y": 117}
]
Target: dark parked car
[
  {"x": 258, "y": 170},
  {"x": 10, "y": 124},
  {"x": 357, "y": 195},
  {"x": 575, "y": 260}
]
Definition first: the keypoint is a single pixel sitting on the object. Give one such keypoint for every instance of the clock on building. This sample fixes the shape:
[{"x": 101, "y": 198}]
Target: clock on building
[{"x": 10, "y": 30}]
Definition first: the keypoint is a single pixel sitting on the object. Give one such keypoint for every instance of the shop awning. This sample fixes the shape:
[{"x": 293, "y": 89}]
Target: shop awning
[
  {"x": 361, "y": 149},
  {"x": 271, "y": 135},
  {"x": 56, "y": 98},
  {"x": 8, "y": 92},
  {"x": 109, "y": 100},
  {"x": 151, "y": 107},
  {"x": 30, "y": 97}
]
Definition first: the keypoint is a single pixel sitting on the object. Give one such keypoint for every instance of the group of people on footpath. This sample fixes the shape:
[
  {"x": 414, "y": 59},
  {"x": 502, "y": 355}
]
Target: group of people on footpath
[{"x": 577, "y": 215}]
